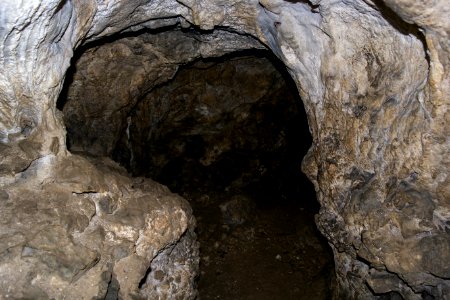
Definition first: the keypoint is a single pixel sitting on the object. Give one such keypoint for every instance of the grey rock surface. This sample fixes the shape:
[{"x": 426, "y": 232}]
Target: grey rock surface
[{"x": 374, "y": 77}]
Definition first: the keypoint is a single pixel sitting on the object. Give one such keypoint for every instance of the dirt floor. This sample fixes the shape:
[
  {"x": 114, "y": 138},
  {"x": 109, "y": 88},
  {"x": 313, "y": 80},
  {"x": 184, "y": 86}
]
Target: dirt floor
[{"x": 267, "y": 251}]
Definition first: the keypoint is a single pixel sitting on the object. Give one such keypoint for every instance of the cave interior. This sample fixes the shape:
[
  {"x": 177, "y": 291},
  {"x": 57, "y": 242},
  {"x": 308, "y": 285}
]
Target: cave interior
[
  {"x": 195, "y": 148},
  {"x": 228, "y": 133}
]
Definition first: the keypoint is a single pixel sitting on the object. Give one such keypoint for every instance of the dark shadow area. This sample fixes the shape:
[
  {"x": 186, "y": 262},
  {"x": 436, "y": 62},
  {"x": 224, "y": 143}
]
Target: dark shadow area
[
  {"x": 267, "y": 146},
  {"x": 238, "y": 163},
  {"x": 229, "y": 135}
]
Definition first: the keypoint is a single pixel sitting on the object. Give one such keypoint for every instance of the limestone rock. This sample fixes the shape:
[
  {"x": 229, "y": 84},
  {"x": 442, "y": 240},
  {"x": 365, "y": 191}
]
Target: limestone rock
[
  {"x": 75, "y": 229},
  {"x": 209, "y": 111},
  {"x": 374, "y": 77},
  {"x": 100, "y": 99}
]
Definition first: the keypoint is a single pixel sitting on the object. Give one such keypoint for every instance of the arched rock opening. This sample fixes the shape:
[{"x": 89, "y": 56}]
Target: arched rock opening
[
  {"x": 376, "y": 95},
  {"x": 228, "y": 133}
]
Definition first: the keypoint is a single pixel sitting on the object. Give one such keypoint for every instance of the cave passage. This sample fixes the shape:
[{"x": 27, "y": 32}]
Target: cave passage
[{"x": 229, "y": 135}]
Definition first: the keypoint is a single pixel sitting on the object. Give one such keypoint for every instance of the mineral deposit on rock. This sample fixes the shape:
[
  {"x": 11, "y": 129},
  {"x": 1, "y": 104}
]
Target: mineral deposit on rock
[{"x": 375, "y": 81}]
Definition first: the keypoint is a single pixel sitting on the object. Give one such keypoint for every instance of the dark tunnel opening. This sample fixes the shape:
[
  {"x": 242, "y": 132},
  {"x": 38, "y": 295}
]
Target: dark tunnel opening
[
  {"x": 254, "y": 145},
  {"x": 229, "y": 135}
]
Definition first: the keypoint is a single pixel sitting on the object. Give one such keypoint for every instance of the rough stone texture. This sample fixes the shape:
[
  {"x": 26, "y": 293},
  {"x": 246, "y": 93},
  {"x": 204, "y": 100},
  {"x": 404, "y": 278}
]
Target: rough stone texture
[
  {"x": 374, "y": 77},
  {"x": 219, "y": 131},
  {"x": 75, "y": 229},
  {"x": 100, "y": 98},
  {"x": 213, "y": 114}
]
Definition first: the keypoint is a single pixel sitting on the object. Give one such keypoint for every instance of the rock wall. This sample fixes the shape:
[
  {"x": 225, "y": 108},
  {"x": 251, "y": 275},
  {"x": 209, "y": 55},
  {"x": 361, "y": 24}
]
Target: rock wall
[
  {"x": 82, "y": 229},
  {"x": 214, "y": 117},
  {"x": 374, "y": 78},
  {"x": 99, "y": 99}
]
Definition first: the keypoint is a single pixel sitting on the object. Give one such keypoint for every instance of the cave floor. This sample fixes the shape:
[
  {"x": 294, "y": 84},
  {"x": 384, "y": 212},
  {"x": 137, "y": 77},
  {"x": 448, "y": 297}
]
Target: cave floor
[{"x": 277, "y": 253}]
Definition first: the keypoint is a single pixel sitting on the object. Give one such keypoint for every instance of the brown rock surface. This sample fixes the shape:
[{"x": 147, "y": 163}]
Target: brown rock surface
[
  {"x": 100, "y": 99},
  {"x": 374, "y": 78},
  {"x": 77, "y": 234}
]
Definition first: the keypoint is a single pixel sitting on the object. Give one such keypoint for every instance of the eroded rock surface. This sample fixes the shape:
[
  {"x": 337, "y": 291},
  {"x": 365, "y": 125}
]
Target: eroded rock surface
[
  {"x": 374, "y": 77},
  {"x": 78, "y": 229},
  {"x": 101, "y": 97},
  {"x": 215, "y": 119}
]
